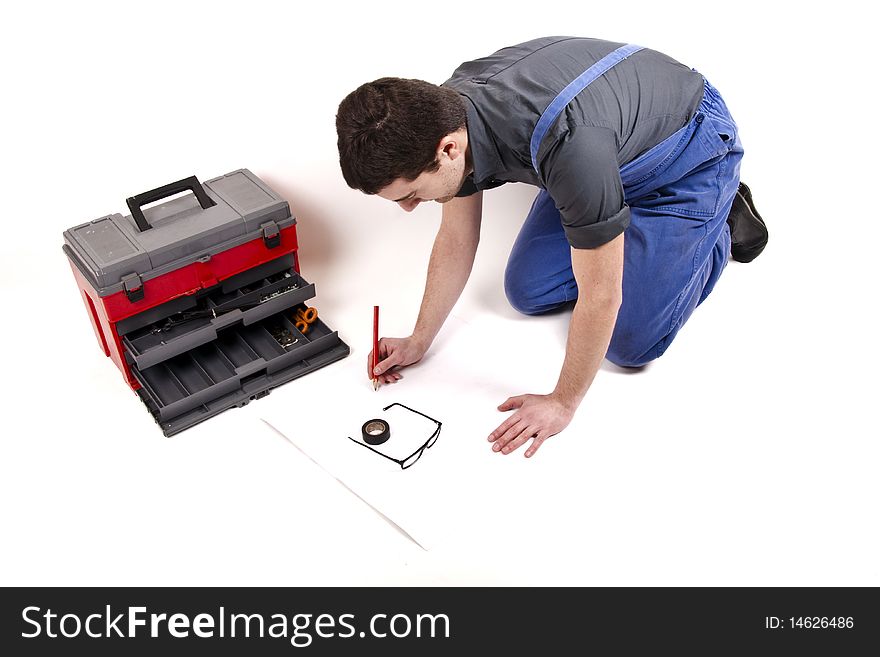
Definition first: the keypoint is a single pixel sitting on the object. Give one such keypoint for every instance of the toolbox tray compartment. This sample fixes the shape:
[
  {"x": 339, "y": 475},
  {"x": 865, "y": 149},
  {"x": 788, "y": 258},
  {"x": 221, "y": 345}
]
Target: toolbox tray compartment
[
  {"x": 243, "y": 363},
  {"x": 242, "y": 342},
  {"x": 153, "y": 344}
]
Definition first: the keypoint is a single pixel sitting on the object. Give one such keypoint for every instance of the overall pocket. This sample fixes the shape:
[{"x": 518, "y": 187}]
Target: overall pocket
[{"x": 691, "y": 185}]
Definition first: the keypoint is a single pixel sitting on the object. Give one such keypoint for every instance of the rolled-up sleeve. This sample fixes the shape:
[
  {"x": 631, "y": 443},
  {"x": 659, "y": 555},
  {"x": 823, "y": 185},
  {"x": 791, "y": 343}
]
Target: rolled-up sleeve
[
  {"x": 468, "y": 188},
  {"x": 581, "y": 174}
]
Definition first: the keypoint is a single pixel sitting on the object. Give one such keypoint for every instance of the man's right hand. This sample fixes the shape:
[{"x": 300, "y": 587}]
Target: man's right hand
[{"x": 395, "y": 354}]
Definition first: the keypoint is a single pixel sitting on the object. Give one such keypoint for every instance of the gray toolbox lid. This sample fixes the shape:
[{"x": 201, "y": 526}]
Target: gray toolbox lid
[{"x": 220, "y": 214}]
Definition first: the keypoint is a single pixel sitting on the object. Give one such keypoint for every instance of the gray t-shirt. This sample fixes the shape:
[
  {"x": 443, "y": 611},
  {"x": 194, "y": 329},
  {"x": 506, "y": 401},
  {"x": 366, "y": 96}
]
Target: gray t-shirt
[{"x": 637, "y": 104}]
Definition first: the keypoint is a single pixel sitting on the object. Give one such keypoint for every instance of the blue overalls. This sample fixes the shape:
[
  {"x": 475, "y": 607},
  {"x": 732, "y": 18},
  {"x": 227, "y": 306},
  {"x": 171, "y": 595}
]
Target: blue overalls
[{"x": 677, "y": 244}]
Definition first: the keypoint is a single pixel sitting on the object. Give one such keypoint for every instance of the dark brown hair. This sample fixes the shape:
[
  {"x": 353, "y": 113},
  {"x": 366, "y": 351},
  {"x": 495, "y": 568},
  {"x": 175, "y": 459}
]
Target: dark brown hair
[{"x": 390, "y": 129}]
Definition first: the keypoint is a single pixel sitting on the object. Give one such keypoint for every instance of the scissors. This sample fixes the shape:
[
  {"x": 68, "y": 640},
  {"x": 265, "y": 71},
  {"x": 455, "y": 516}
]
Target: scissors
[{"x": 305, "y": 318}]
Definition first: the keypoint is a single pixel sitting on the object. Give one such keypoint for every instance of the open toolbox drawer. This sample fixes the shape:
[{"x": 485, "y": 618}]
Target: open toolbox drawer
[
  {"x": 190, "y": 328},
  {"x": 242, "y": 342}
]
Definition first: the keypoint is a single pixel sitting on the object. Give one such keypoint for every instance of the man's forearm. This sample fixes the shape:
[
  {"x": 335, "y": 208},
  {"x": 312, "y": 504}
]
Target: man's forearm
[
  {"x": 589, "y": 333},
  {"x": 449, "y": 268},
  {"x": 599, "y": 276}
]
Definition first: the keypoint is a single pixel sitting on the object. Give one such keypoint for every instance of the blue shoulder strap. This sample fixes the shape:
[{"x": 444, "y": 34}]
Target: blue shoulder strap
[{"x": 576, "y": 86}]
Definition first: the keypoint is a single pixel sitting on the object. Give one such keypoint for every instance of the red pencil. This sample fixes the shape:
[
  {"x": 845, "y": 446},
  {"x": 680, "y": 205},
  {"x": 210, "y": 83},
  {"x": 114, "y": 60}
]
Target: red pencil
[{"x": 375, "y": 346}]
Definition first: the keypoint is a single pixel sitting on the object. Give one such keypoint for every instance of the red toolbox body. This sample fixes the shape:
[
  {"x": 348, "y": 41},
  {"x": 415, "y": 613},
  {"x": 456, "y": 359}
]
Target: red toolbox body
[{"x": 105, "y": 312}]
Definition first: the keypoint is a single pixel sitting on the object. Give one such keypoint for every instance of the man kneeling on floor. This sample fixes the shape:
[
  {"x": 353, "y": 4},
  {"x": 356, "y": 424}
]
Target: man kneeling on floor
[{"x": 640, "y": 204}]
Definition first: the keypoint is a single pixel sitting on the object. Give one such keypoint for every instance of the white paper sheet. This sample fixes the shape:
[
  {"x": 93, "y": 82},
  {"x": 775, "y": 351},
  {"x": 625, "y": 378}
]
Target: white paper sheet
[{"x": 459, "y": 479}]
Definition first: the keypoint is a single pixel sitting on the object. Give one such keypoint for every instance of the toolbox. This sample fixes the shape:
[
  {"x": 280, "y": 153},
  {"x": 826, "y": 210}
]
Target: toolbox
[{"x": 198, "y": 300}]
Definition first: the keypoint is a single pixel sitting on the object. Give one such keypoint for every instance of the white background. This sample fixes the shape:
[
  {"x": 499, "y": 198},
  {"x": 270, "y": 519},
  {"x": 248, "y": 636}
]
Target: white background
[{"x": 746, "y": 456}]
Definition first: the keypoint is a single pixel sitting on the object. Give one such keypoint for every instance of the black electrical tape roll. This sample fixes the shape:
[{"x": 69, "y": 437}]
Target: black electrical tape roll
[{"x": 376, "y": 432}]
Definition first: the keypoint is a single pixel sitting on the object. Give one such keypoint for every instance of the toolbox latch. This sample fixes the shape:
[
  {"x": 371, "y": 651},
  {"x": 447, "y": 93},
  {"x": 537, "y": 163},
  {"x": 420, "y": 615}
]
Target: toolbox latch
[
  {"x": 271, "y": 234},
  {"x": 134, "y": 287}
]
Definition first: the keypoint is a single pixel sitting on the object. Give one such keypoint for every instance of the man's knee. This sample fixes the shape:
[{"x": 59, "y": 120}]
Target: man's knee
[
  {"x": 627, "y": 350},
  {"x": 520, "y": 293}
]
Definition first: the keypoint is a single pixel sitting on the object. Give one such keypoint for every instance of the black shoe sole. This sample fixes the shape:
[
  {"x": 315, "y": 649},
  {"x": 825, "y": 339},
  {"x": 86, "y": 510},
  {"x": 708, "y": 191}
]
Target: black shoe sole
[{"x": 748, "y": 232}]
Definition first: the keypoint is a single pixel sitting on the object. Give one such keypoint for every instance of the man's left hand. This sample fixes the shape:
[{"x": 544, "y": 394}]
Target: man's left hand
[{"x": 537, "y": 418}]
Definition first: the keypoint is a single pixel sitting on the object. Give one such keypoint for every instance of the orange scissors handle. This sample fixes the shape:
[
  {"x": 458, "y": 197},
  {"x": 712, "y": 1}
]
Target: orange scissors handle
[
  {"x": 304, "y": 318},
  {"x": 309, "y": 315}
]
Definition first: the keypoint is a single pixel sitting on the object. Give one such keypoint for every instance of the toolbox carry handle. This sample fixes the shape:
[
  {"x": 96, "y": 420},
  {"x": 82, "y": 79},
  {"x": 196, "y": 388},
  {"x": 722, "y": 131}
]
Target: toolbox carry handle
[{"x": 192, "y": 184}]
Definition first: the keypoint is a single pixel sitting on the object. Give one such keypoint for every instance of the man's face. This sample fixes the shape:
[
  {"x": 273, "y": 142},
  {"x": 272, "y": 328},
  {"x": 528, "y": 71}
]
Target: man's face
[{"x": 441, "y": 185}]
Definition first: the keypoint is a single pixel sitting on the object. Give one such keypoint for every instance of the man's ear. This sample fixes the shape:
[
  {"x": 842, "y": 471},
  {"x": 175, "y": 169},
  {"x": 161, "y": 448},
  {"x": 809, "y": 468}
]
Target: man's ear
[{"x": 450, "y": 145}]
